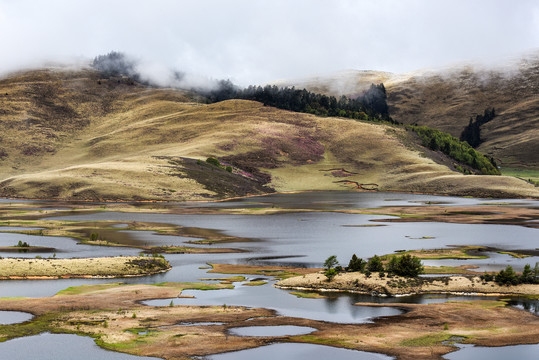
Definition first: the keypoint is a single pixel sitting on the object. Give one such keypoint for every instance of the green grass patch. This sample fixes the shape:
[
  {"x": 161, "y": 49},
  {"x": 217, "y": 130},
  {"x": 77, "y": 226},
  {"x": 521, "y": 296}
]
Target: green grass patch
[
  {"x": 307, "y": 295},
  {"x": 227, "y": 280},
  {"x": 195, "y": 286},
  {"x": 514, "y": 254},
  {"x": 428, "y": 340},
  {"x": 483, "y": 304},
  {"x": 313, "y": 339},
  {"x": 256, "y": 283},
  {"x": 529, "y": 175},
  {"x": 443, "y": 270},
  {"x": 84, "y": 289},
  {"x": 37, "y": 325}
]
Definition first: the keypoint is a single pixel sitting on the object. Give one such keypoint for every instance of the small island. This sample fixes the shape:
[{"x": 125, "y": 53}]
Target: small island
[
  {"x": 106, "y": 267},
  {"x": 399, "y": 276}
]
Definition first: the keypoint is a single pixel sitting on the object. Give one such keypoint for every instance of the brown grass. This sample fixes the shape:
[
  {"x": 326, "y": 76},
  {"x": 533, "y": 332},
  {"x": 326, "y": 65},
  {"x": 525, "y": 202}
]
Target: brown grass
[
  {"x": 446, "y": 99},
  {"x": 112, "y": 314},
  {"x": 105, "y": 267},
  {"x": 127, "y": 142},
  {"x": 358, "y": 282}
]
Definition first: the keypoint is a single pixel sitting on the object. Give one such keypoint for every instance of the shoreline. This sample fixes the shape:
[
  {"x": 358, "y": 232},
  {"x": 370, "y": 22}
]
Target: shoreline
[
  {"x": 150, "y": 201},
  {"x": 400, "y": 286}
]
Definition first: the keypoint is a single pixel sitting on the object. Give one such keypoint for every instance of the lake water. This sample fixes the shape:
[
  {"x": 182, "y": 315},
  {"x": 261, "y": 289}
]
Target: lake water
[
  {"x": 13, "y": 317},
  {"x": 59, "y": 347},
  {"x": 298, "y": 239},
  {"x": 283, "y": 330}
]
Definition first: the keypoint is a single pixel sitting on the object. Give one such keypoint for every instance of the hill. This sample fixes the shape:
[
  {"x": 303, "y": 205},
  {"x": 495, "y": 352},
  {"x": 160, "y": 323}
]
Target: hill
[
  {"x": 72, "y": 135},
  {"x": 446, "y": 99}
]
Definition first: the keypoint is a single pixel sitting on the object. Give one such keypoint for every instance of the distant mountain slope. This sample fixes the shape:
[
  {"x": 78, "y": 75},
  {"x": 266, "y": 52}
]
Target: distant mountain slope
[
  {"x": 72, "y": 135},
  {"x": 446, "y": 99}
]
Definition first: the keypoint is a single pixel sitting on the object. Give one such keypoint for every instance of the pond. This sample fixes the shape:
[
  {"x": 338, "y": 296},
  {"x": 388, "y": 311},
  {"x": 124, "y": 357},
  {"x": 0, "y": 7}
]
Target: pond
[
  {"x": 520, "y": 352},
  {"x": 48, "y": 346},
  {"x": 283, "y": 330},
  {"x": 14, "y": 317}
]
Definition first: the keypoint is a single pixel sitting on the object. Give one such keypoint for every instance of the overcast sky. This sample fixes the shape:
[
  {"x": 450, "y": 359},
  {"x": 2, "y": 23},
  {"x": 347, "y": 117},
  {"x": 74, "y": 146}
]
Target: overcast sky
[{"x": 252, "y": 41}]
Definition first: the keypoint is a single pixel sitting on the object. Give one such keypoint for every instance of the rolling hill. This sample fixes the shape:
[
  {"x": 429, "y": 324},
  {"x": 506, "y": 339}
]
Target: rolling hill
[
  {"x": 446, "y": 99},
  {"x": 69, "y": 134}
]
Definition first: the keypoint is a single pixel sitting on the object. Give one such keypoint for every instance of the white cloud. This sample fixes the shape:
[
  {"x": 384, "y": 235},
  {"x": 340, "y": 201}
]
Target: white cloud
[{"x": 253, "y": 41}]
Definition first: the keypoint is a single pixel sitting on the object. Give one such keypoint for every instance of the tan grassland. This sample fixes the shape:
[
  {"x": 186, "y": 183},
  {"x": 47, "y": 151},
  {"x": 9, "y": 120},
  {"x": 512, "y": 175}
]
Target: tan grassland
[
  {"x": 446, "y": 99},
  {"x": 112, "y": 314},
  {"x": 103, "y": 267},
  {"x": 395, "y": 286},
  {"x": 117, "y": 141}
]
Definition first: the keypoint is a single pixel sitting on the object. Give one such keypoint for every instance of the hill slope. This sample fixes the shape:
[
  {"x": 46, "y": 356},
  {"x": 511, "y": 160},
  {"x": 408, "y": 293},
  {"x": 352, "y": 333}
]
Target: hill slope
[
  {"x": 446, "y": 99},
  {"x": 71, "y": 135}
]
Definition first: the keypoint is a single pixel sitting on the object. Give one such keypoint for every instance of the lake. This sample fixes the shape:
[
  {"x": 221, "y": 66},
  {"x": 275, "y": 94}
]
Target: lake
[{"x": 295, "y": 238}]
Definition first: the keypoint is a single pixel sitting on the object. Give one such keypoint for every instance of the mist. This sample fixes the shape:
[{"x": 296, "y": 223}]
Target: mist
[{"x": 255, "y": 42}]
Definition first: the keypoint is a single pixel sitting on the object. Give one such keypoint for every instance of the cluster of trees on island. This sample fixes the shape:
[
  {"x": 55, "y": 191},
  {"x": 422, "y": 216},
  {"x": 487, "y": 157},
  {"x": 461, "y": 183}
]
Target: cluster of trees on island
[
  {"x": 399, "y": 265},
  {"x": 410, "y": 266},
  {"x": 508, "y": 276}
]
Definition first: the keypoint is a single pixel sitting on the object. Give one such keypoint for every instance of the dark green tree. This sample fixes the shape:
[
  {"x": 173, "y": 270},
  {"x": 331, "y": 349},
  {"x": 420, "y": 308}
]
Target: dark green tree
[
  {"x": 356, "y": 264},
  {"x": 329, "y": 265},
  {"x": 331, "y": 262},
  {"x": 527, "y": 276},
  {"x": 408, "y": 265},
  {"x": 506, "y": 276},
  {"x": 375, "y": 264}
]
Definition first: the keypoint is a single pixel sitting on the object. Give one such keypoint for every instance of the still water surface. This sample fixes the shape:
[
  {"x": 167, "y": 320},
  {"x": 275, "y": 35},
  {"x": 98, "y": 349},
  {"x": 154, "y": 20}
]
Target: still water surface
[{"x": 297, "y": 239}]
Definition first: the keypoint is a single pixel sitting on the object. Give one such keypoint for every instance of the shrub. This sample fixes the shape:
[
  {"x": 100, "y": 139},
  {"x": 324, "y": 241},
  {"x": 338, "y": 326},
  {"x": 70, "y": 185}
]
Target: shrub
[
  {"x": 375, "y": 264},
  {"x": 487, "y": 277},
  {"x": 330, "y": 274},
  {"x": 330, "y": 262},
  {"x": 229, "y": 169},
  {"x": 454, "y": 148},
  {"x": 405, "y": 265},
  {"x": 213, "y": 161},
  {"x": 506, "y": 276},
  {"x": 356, "y": 264}
]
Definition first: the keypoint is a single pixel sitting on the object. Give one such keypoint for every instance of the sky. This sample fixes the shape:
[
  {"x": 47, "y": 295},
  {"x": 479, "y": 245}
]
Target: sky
[{"x": 258, "y": 41}]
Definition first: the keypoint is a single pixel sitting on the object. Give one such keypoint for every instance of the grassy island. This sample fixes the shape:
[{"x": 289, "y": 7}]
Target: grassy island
[
  {"x": 106, "y": 267},
  {"x": 398, "y": 285}
]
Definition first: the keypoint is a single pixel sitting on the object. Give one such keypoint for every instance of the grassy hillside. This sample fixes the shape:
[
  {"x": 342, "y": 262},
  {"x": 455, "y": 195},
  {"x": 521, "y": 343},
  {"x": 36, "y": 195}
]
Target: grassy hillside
[
  {"x": 446, "y": 99},
  {"x": 71, "y": 135}
]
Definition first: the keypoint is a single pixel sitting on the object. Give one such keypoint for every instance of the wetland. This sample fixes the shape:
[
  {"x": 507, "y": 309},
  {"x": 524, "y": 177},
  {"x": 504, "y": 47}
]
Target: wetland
[{"x": 255, "y": 241}]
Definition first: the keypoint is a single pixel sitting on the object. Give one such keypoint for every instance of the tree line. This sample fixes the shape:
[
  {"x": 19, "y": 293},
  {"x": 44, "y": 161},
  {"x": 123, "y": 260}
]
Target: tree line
[
  {"x": 457, "y": 150},
  {"x": 399, "y": 265},
  {"x": 508, "y": 276},
  {"x": 372, "y": 105},
  {"x": 472, "y": 132}
]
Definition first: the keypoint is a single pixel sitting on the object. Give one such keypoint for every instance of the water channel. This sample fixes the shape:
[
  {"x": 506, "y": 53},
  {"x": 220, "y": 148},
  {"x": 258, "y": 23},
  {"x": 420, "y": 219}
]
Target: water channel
[{"x": 297, "y": 238}]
